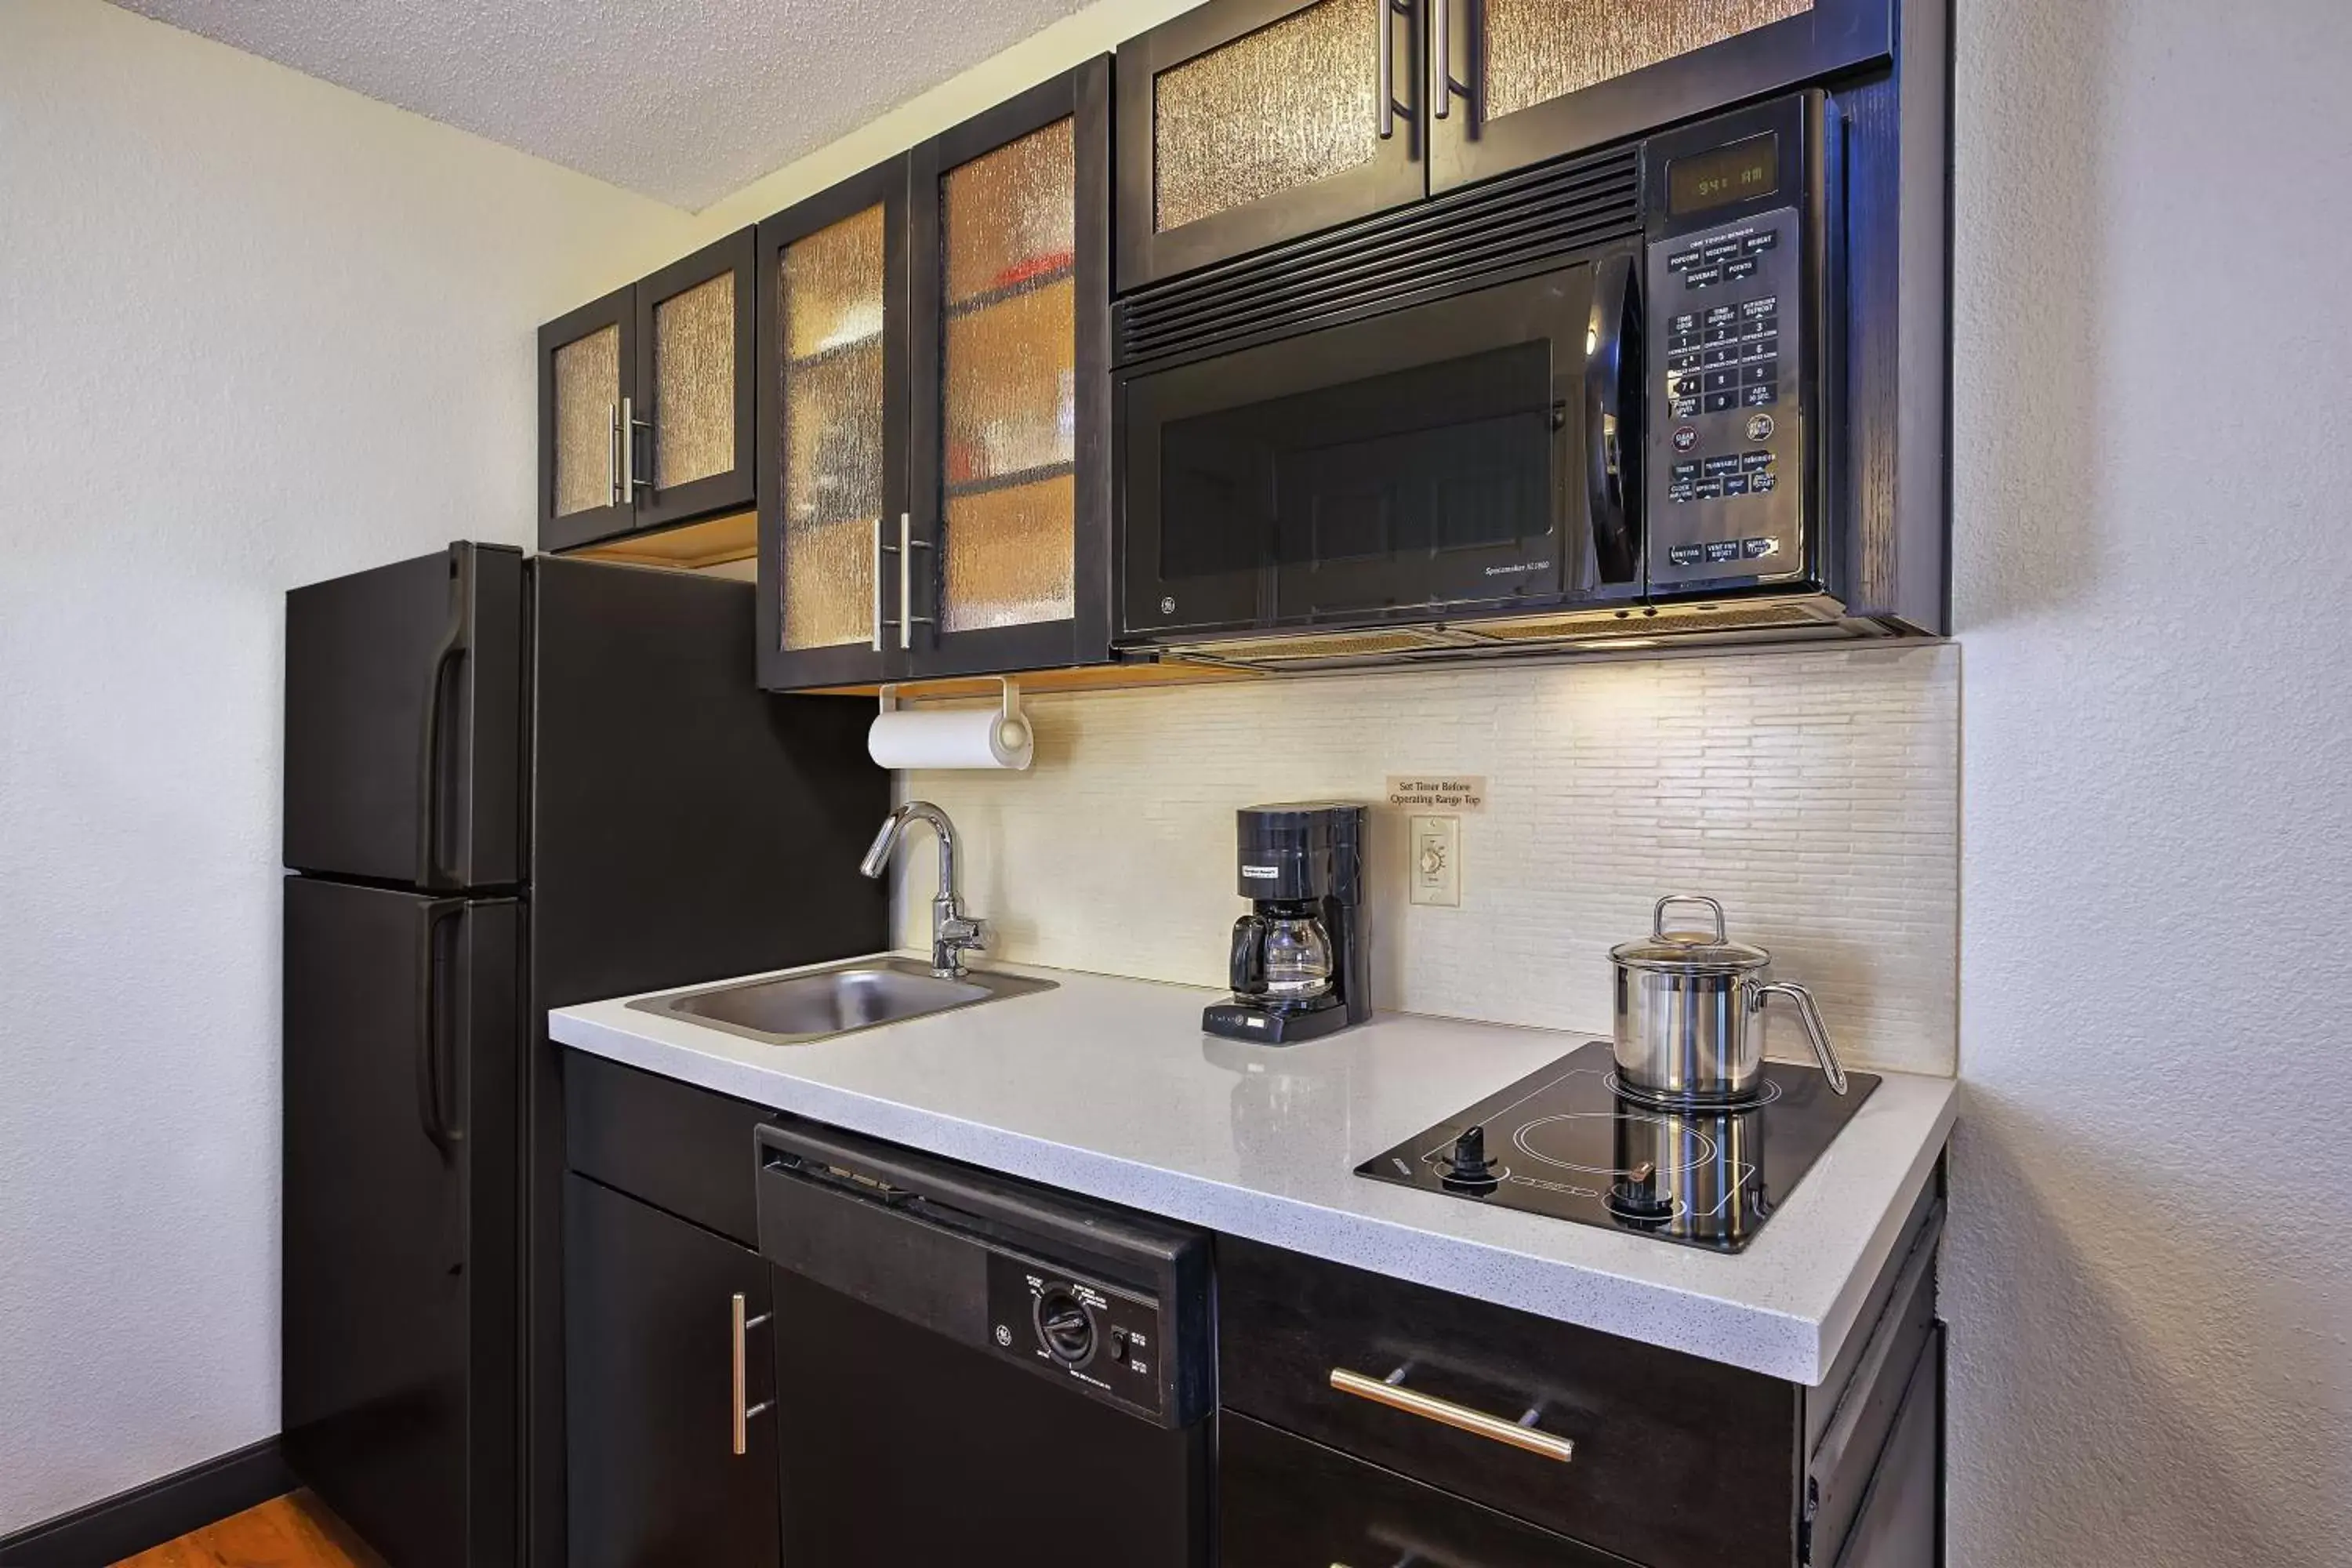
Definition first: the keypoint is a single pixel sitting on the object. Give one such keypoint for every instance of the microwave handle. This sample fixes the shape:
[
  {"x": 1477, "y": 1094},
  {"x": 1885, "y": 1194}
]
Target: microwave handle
[{"x": 1612, "y": 390}]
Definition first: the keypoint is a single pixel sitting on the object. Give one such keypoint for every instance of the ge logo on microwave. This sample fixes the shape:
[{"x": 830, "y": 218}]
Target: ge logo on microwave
[{"x": 1168, "y": 606}]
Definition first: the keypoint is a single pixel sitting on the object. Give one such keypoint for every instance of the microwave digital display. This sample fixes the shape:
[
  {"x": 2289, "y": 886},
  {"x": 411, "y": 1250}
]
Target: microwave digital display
[{"x": 1735, "y": 173}]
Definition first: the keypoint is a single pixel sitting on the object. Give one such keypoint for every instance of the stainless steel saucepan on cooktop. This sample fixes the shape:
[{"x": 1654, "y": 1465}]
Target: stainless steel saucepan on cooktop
[{"x": 1689, "y": 1028}]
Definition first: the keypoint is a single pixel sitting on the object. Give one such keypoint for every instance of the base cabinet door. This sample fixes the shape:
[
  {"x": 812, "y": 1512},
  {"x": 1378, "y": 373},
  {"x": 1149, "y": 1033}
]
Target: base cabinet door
[
  {"x": 1284, "y": 1502},
  {"x": 672, "y": 1459}
]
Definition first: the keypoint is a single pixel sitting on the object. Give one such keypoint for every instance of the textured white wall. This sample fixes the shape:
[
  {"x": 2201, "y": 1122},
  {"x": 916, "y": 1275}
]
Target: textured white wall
[
  {"x": 2148, "y": 1271},
  {"x": 1813, "y": 793},
  {"x": 254, "y": 331}
]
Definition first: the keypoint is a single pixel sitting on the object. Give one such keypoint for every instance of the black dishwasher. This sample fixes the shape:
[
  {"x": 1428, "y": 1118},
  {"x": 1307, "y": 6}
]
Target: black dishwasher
[{"x": 973, "y": 1370}]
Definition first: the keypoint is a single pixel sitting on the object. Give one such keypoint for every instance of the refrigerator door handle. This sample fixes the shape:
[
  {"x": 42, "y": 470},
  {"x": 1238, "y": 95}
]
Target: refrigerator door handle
[
  {"x": 430, "y": 871},
  {"x": 431, "y": 1106}
]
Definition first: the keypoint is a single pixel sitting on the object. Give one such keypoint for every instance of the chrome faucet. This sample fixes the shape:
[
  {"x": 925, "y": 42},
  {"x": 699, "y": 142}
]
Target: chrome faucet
[{"x": 953, "y": 934}]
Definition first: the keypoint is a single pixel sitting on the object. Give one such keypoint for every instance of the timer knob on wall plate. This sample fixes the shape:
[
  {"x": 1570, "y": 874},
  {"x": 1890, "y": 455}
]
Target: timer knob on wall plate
[{"x": 1065, "y": 1327}]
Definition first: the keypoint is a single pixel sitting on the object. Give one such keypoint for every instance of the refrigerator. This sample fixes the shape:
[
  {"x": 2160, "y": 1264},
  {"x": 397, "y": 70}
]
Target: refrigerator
[{"x": 511, "y": 785}]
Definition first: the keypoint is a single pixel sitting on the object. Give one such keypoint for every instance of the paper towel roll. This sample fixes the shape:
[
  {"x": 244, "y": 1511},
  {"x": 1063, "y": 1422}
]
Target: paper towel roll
[{"x": 949, "y": 738}]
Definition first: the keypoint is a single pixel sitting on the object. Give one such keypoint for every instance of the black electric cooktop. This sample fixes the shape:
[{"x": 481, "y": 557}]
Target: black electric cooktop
[{"x": 1563, "y": 1141}]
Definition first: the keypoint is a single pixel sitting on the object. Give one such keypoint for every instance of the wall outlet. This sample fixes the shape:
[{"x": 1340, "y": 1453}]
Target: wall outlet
[{"x": 1436, "y": 869}]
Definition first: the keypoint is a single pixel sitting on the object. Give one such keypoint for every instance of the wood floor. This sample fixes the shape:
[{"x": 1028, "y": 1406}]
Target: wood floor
[{"x": 291, "y": 1532}]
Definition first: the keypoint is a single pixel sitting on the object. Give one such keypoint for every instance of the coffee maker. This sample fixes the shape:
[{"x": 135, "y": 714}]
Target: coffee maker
[{"x": 1300, "y": 957}]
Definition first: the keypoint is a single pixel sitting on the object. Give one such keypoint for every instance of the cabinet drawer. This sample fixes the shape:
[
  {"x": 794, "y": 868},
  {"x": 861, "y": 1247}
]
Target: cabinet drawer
[
  {"x": 1677, "y": 1462},
  {"x": 679, "y": 1148},
  {"x": 1284, "y": 1502}
]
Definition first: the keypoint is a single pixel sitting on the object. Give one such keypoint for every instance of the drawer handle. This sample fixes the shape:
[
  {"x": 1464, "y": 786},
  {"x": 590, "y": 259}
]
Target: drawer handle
[
  {"x": 743, "y": 1413},
  {"x": 1390, "y": 1391}
]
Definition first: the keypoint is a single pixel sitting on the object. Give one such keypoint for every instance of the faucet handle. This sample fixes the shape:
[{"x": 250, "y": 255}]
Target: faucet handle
[{"x": 964, "y": 933}]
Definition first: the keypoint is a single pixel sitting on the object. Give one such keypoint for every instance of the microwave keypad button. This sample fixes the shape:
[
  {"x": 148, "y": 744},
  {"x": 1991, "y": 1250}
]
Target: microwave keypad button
[
  {"x": 1756, "y": 242},
  {"x": 1684, "y": 554},
  {"x": 1728, "y": 463},
  {"x": 1686, "y": 438},
  {"x": 1711, "y": 490},
  {"x": 1769, "y": 305},
  {"x": 1759, "y": 374},
  {"x": 1720, "y": 380},
  {"x": 1722, "y": 316},
  {"x": 1735, "y": 484},
  {"x": 1757, "y": 397},
  {"x": 1763, "y": 482},
  {"x": 1754, "y": 549},
  {"x": 1724, "y": 402},
  {"x": 1678, "y": 363},
  {"x": 1764, "y": 350},
  {"x": 1721, "y": 250},
  {"x": 1682, "y": 344},
  {"x": 1681, "y": 262},
  {"x": 1720, "y": 335},
  {"x": 1720, "y": 354},
  {"x": 1751, "y": 461},
  {"x": 1702, "y": 277},
  {"x": 1734, "y": 271},
  {"x": 1683, "y": 408},
  {"x": 1687, "y": 469},
  {"x": 1685, "y": 323},
  {"x": 1685, "y": 386},
  {"x": 1760, "y": 427},
  {"x": 1723, "y": 550}
]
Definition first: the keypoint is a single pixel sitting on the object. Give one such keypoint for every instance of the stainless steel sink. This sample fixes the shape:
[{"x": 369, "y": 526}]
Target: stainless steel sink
[{"x": 794, "y": 1009}]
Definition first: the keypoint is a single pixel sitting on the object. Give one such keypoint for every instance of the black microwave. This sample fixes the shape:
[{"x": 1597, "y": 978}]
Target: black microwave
[{"x": 1690, "y": 385}]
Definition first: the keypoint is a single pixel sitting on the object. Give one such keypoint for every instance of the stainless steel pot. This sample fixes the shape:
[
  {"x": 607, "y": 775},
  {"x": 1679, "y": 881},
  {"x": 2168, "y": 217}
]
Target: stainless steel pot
[{"x": 1690, "y": 1014}]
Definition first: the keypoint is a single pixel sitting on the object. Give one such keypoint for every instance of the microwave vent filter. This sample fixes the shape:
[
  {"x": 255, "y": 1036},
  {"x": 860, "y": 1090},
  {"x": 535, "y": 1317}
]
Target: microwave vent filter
[
  {"x": 1502, "y": 228},
  {"x": 1327, "y": 645},
  {"x": 1669, "y": 620}
]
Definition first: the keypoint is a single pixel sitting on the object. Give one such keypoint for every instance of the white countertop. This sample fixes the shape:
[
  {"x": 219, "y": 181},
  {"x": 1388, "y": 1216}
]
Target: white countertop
[{"x": 1107, "y": 1087}]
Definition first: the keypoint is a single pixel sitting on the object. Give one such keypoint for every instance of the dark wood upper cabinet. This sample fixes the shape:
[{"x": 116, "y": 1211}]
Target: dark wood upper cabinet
[
  {"x": 831, "y": 450},
  {"x": 1514, "y": 82},
  {"x": 647, "y": 403},
  {"x": 935, "y": 434},
  {"x": 1249, "y": 122},
  {"x": 1008, "y": 556}
]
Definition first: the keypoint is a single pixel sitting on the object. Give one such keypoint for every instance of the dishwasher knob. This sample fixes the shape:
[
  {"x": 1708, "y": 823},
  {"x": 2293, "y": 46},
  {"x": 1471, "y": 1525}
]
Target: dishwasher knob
[{"x": 1064, "y": 1326}]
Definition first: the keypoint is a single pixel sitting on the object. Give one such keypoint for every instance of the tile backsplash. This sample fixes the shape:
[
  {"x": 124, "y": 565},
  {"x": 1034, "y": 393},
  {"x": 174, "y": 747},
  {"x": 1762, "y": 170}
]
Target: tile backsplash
[{"x": 1815, "y": 794}]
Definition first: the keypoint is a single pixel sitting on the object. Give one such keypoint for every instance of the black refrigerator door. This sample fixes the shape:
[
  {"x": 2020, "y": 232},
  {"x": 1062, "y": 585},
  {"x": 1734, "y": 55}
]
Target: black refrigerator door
[
  {"x": 686, "y": 826},
  {"x": 398, "y": 1401},
  {"x": 403, "y": 722}
]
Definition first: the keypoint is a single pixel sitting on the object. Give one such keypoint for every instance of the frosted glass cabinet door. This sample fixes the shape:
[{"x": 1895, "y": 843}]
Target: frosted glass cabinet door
[
  {"x": 695, "y": 394},
  {"x": 1512, "y": 82},
  {"x": 1249, "y": 122},
  {"x": 1010, "y": 226},
  {"x": 832, "y": 434},
  {"x": 585, "y": 363}
]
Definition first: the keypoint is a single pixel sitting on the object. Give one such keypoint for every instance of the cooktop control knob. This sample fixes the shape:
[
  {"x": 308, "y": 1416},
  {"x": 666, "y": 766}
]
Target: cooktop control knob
[
  {"x": 1065, "y": 1327},
  {"x": 1468, "y": 1166}
]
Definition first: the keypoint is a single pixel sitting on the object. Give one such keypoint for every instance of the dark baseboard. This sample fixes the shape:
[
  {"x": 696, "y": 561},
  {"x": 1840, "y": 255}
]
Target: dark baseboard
[{"x": 163, "y": 1510}]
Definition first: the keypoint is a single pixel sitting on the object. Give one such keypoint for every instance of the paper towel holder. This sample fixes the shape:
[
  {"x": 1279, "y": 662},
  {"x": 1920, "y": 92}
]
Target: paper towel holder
[{"x": 1012, "y": 730}]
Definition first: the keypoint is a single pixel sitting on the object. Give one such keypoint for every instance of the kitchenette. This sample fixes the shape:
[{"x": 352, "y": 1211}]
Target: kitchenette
[{"x": 1002, "y": 944}]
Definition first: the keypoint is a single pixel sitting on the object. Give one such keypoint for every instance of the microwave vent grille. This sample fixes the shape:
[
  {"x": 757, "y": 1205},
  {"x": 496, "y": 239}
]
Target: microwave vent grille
[{"x": 1503, "y": 229}]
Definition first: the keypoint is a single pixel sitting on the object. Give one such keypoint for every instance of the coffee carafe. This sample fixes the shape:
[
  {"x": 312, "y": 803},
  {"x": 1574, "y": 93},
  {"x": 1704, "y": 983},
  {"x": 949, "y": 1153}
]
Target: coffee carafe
[{"x": 1298, "y": 960}]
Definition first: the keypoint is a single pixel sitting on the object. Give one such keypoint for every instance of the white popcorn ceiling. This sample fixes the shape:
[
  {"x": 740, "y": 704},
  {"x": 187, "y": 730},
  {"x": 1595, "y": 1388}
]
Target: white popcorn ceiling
[{"x": 683, "y": 101}]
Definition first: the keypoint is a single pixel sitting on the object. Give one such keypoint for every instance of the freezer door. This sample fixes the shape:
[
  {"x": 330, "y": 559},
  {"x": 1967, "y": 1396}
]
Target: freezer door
[
  {"x": 399, "y": 1314},
  {"x": 403, "y": 722}
]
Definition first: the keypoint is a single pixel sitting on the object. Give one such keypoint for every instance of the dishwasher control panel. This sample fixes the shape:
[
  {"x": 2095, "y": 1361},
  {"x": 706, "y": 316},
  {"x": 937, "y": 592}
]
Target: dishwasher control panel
[{"x": 1107, "y": 1339}]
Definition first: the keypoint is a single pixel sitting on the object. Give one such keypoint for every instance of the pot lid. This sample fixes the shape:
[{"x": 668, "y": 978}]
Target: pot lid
[{"x": 1708, "y": 949}]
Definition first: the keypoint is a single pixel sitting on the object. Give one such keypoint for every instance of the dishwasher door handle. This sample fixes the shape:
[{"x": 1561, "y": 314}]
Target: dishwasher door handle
[{"x": 741, "y": 1326}]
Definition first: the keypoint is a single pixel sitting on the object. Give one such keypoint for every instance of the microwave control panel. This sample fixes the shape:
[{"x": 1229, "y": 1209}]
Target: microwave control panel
[{"x": 1725, "y": 468}]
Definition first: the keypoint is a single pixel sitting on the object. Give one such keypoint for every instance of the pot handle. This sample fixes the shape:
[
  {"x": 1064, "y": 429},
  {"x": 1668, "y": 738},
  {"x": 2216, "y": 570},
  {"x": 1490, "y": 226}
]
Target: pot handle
[
  {"x": 1658, "y": 915},
  {"x": 1815, "y": 1028}
]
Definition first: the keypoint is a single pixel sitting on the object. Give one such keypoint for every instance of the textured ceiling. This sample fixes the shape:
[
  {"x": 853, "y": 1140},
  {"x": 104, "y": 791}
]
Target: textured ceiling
[{"x": 682, "y": 99}]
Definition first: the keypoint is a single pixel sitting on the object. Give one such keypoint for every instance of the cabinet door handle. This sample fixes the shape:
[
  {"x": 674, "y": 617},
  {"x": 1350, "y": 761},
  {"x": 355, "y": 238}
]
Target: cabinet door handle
[
  {"x": 612, "y": 450},
  {"x": 630, "y": 425},
  {"x": 743, "y": 1413},
  {"x": 1390, "y": 1391},
  {"x": 908, "y": 545},
  {"x": 882, "y": 547}
]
